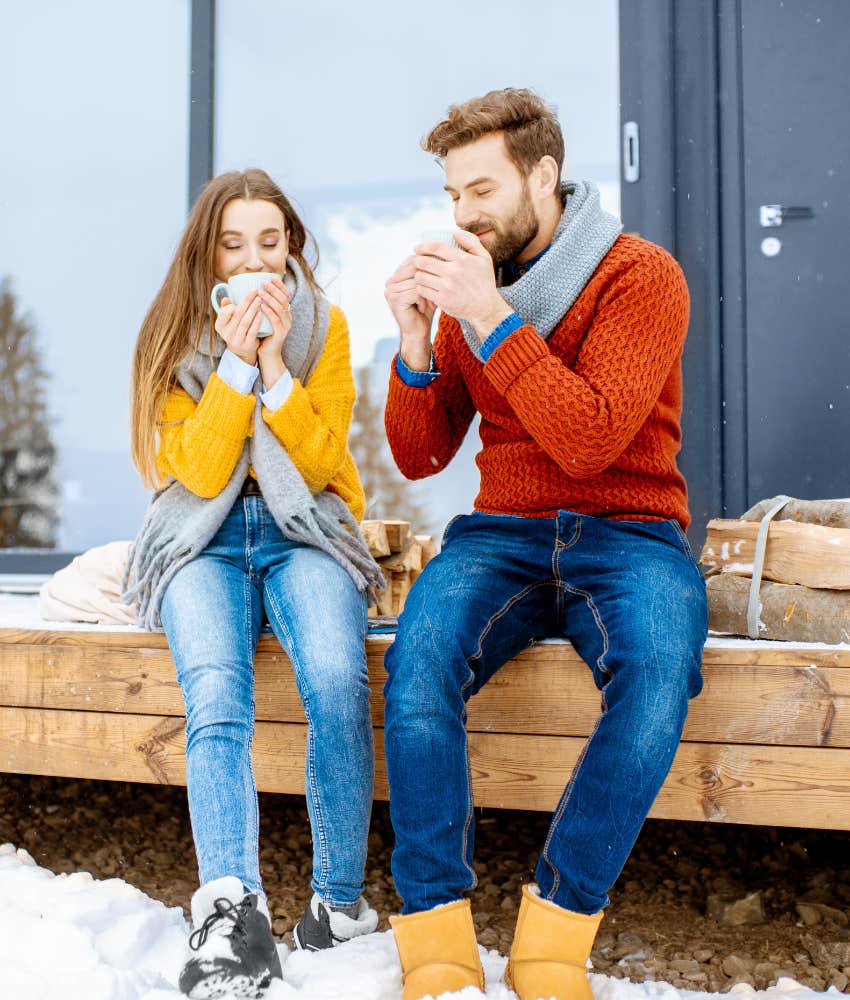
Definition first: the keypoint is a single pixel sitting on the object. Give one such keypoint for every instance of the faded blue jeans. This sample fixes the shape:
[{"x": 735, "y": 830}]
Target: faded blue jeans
[
  {"x": 631, "y": 598},
  {"x": 212, "y": 614}
]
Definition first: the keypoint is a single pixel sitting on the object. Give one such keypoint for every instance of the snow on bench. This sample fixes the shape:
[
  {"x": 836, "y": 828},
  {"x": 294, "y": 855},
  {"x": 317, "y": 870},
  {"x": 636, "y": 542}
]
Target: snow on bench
[{"x": 767, "y": 742}]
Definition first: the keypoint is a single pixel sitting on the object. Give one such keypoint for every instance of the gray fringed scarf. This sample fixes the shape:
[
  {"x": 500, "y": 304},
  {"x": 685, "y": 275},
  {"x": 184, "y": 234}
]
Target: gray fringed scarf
[
  {"x": 545, "y": 293},
  {"x": 178, "y": 525}
]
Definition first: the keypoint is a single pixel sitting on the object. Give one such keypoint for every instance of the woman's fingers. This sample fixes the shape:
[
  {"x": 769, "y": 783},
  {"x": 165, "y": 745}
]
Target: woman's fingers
[
  {"x": 275, "y": 292},
  {"x": 250, "y": 316},
  {"x": 225, "y": 316}
]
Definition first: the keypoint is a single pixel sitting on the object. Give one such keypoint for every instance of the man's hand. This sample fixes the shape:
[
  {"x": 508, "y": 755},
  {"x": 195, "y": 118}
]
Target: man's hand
[
  {"x": 460, "y": 281},
  {"x": 414, "y": 315}
]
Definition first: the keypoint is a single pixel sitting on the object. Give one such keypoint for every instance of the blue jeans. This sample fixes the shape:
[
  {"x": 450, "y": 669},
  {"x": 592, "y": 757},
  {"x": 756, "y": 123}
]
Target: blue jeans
[
  {"x": 630, "y": 597},
  {"x": 212, "y": 614}
]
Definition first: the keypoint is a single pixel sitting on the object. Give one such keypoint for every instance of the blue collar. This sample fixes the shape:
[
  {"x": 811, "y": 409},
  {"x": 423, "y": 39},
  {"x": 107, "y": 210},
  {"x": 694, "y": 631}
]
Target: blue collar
[{"x": 511, "y": 271}]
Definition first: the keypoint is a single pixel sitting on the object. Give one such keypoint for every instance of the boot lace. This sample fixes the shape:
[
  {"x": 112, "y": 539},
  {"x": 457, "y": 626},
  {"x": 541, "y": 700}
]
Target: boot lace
[{"x": 224, "y": 910}]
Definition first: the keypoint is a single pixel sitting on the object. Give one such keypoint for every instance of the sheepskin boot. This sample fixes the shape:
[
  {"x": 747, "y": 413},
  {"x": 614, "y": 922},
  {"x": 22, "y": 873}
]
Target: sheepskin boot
[
  {"x": 438, "y": 951},
  {"x": 550, "y": 950}
]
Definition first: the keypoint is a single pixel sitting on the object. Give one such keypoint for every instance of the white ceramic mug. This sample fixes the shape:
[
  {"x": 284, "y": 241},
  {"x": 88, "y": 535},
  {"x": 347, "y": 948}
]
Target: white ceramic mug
[
  {"x": 438, "y": 236},
  {"x": 237, "y": 287}
]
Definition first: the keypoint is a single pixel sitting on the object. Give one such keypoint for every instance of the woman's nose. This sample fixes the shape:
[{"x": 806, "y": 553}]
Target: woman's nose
[{"x": 255, "y": 261}]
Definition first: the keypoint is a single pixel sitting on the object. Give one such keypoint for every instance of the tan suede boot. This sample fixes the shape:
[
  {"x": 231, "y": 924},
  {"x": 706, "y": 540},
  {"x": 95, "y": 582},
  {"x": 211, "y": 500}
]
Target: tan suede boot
[
  {"x": 550, "y": 950},
  {"x": 438, "y": 950}
]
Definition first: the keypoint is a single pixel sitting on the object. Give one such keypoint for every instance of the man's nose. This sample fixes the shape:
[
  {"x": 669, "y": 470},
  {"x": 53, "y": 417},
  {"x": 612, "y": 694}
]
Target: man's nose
[{"x": 464, "y": 217}]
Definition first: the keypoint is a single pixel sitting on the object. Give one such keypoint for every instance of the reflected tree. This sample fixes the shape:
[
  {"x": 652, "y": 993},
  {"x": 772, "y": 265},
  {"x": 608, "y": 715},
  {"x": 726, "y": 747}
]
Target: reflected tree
[
  {"x": 29, "y": 498},
  {"x": 388, "y": 493}
]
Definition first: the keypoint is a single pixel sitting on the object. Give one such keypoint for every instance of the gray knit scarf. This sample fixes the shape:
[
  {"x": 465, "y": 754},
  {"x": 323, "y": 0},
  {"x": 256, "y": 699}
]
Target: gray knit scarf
[
  {"x": 545, "y": 293},
  {"x": 178, "y": 525}
]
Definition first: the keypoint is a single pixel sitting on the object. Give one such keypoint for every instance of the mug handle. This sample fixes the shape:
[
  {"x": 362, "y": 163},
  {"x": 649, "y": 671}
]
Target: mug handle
[{"x": 219, "y": 291}]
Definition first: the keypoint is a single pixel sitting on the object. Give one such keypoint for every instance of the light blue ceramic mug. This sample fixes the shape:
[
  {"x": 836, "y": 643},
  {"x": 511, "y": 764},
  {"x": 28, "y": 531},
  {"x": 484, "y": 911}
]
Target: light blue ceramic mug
[{"x": 237, "y": 287}]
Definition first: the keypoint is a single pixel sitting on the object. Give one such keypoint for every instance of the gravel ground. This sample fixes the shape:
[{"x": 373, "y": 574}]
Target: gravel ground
[{"x": 701, "y": 906}]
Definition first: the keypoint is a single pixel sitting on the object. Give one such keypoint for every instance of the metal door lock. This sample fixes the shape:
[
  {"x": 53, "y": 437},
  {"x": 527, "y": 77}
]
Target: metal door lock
[{"x": 775, "y": 215}]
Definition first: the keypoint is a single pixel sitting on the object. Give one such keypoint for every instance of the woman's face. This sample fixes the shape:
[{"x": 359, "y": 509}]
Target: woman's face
[{"x": 253, "y": 237}]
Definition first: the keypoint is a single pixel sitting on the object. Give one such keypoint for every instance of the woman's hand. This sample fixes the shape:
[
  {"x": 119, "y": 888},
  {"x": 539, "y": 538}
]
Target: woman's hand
[
  {"x": 274, "y": 303},
  {"x": 238, "y": 325}
]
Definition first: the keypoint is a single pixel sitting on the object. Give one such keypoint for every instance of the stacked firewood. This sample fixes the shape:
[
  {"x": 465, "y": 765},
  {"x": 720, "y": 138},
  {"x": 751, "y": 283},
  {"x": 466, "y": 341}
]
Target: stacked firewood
[
  {"x": 402, "y": 555},
  {"x": 804, "y": 595}
]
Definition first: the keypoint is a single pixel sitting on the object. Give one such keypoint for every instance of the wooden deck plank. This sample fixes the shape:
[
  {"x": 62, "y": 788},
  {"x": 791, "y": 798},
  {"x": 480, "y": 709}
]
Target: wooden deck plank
[
  {"x": 723, "y": 783},
  {"x": 717, "y": 650},
  {"x": 790, "y": 705}
]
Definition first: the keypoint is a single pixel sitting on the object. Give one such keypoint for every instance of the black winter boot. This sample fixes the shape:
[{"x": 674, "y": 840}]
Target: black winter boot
[{"x": 233, "y": 951}]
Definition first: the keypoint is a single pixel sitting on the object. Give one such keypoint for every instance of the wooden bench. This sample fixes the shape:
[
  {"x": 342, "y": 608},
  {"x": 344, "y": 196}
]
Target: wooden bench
[{"x": 768, "y": 741}]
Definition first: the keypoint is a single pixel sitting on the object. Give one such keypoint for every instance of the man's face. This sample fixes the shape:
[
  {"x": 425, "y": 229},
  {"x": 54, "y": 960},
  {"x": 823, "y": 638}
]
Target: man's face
[{"x": 491, "y": 197}]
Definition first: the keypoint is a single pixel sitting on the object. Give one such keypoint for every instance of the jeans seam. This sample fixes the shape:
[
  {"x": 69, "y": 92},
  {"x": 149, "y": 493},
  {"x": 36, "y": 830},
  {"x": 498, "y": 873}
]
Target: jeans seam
[
  {"x": 597, "y": 617},
  {"x": 254, "y": 825},
  {"x": 470, "y": 800},
  {"x": 687, "y": 551},
  {"x": 491, "y": 621},
  {"x": 562, "y": 805},
  {"x": 312, "y": 787},
  {"x": 560, "y": 547}
]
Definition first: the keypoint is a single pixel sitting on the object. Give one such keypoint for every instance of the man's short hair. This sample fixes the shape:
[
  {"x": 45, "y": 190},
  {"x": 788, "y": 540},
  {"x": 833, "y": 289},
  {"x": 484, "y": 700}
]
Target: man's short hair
[{"x": 529, "y": 125}]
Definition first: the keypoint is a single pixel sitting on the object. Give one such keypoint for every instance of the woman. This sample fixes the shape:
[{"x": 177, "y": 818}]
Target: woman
[{"x": 257, "y": 512}]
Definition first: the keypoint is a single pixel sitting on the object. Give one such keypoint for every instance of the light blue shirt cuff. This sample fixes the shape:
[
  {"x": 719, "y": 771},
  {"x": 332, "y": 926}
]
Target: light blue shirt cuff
[
  {"x": 508, "y": 325},
  {"x": 278, "y": 394},
  {"x": 237, "y": 373},
  {"x": 416, "y": 379}
]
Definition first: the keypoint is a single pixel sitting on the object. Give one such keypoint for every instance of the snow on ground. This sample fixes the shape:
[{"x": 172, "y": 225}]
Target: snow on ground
[{"x": 70, "y": 937}]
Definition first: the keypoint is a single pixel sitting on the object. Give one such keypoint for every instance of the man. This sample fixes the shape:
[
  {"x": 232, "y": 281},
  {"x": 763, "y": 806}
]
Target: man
[{"x": 566, "y": 337}]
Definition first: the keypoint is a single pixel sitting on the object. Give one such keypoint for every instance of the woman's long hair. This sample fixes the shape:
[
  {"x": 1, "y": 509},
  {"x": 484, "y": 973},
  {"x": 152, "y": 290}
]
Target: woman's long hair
[{"x": 175, "y": 321}]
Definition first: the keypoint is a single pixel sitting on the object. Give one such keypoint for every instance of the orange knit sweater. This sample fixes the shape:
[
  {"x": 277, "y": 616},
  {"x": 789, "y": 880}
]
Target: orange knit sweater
[{"x": 587, "y": 421}]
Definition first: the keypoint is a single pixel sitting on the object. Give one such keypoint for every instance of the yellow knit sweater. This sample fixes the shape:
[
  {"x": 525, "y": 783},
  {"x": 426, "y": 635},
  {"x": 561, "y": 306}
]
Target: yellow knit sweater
[{"x": 200, "y": 444}]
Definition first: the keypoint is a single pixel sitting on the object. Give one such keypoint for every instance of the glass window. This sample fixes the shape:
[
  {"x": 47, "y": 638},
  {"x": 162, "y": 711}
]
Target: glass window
[
  {"x": 332, "y": 99},
  {"x": 92, "y": 200}
]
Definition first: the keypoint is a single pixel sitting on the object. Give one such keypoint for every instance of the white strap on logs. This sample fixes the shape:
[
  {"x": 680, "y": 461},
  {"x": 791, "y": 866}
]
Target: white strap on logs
[{"x": 758, "y": 565}]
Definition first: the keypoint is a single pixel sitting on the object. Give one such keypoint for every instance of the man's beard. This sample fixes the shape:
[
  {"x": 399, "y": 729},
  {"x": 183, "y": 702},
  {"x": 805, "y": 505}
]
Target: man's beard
[{"x": 510, "y": 239}]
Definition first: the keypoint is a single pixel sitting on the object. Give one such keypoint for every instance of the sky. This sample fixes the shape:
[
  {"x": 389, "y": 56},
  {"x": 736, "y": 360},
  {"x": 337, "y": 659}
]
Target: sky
[{"x": 332, "y": 99}]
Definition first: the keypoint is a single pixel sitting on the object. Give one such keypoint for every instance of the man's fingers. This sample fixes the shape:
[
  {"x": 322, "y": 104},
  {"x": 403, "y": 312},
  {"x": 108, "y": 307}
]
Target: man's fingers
[
  {"x": 428, "y": 281},
  {"x": 432, "y": 265},
  {"x": 470, "y": 243},
  {"x": 404, "y": 272},
  {"x": 400, "y": 287},
  {"x": 442, "y": 251}
]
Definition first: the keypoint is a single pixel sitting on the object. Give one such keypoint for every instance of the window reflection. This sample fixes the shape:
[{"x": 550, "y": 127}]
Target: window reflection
[
  {"x": 93, "y": 196},
  {"x": 333, "y": 99}
]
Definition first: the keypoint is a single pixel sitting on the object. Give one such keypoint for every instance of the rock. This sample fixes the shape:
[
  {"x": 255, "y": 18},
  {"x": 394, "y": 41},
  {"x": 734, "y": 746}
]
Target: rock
[
  {"x": 742, "y": 984},
  {"x": 840, "y": 980},
  {"x": 684, "y": 965},
  {"x": 628, "y": 943},
  {"x": 489, "y": 937},
  {"x": 808, "y": 913},
  {"x": 736, "y": 966},
  {"x": 827, "y": 954},
  {"x": 766, "y": 971},
  {"x": 704, "y": 954},
  {"x": 814, "y": 913},
  {"x": 749, "y": 910}
]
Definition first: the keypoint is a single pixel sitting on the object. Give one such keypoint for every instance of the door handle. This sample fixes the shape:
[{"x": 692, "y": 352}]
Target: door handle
[{"x": 775, "y": 215}]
